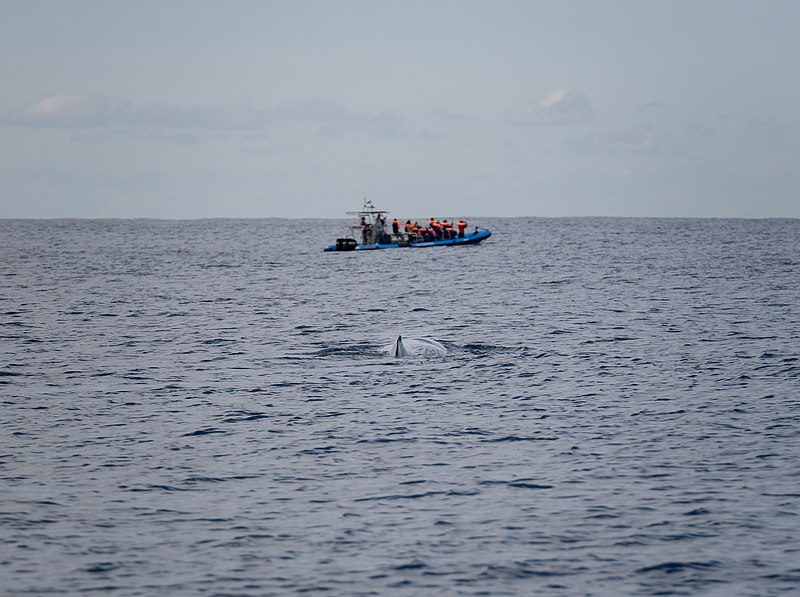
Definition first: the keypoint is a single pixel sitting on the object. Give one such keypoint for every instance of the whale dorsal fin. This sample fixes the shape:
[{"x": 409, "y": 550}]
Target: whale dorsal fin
[{"x": 399, "y": 349}]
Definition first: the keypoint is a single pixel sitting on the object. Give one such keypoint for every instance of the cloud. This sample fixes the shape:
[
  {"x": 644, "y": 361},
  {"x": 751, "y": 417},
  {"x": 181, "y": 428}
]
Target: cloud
[
  {"x": 641, "y": 139},
  {"x": 98, "y": 110},
  {"x": 698, "y": 131},
  {"x": 239, "y": 114},
  {"x": 382, "y": 124},
  {"x": 70, "y": 111},
  {"x": 448, "y": 115},
  {"x": 427, "y": 134},
  {"x": 559, "y": 107},
  {"x": 310, "y": 110},
  {"x": 336, "y": 120},
  {"x": 102, "y": 111},
  {"x": 650, "y": 106}
]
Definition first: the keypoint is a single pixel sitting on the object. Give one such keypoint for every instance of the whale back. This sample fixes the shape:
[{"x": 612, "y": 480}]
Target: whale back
[{"x": 416, "y": 347}]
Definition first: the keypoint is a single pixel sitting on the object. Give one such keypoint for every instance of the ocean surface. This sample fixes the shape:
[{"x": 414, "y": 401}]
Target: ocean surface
[{"x": 203, "y": 408}]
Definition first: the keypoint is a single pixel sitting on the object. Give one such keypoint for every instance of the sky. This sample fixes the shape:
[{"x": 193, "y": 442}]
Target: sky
[{"x": 301, "y": 108}]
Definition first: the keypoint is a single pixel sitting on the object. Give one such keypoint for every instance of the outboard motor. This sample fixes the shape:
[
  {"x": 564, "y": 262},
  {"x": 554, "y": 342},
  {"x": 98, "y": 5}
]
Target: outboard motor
[{"x": 346, "y": 244}]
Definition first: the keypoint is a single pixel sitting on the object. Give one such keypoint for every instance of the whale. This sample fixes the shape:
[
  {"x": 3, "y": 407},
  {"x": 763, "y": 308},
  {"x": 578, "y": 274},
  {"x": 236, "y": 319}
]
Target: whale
[{"x": 415, "y": 347}]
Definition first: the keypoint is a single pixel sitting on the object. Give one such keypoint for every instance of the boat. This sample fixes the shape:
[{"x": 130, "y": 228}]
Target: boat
[{"x": 371, "y": 229}]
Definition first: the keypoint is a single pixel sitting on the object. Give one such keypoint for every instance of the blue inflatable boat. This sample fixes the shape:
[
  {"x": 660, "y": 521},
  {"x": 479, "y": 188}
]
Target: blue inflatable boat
[{"x": 372, "y": 231}]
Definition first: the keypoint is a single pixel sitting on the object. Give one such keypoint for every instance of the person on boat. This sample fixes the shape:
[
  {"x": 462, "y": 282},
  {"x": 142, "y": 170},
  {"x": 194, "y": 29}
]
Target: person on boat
[
  {"x": 395, "y": 226},
  {"x": 364, "y": 231},
  {"x": 449, "y": 232},
  {"x": 437, "y": 229},
  {"x": 462, "y": 226}
]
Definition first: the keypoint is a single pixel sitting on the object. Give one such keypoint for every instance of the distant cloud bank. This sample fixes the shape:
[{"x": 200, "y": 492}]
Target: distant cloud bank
[
  {"x": 559, "y": 107},
  {"x": 99, "y": 111},
  {"x": 638, "y": 140},
  {"x": 71, "y": 111}
]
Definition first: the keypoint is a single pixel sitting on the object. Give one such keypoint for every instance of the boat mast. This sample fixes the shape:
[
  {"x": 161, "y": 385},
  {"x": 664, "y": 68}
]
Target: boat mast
[{"x": 373, "y": 231}]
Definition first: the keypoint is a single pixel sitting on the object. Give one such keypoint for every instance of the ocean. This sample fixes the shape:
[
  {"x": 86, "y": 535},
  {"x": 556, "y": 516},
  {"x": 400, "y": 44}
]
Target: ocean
[{"x": 203, "y": 407}]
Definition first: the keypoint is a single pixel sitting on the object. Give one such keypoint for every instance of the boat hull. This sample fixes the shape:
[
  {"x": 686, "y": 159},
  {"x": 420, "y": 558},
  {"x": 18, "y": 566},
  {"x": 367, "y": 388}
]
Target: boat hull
[{"x": 473, "y": 238}]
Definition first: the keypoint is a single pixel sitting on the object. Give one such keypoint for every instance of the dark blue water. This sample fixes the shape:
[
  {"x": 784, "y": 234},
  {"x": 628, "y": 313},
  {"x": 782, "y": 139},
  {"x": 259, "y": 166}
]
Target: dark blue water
[{"x": 202, "y": 408}]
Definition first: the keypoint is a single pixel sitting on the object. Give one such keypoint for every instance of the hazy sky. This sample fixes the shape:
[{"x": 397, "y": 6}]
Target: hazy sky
[{"x": 186, "y": 109}]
